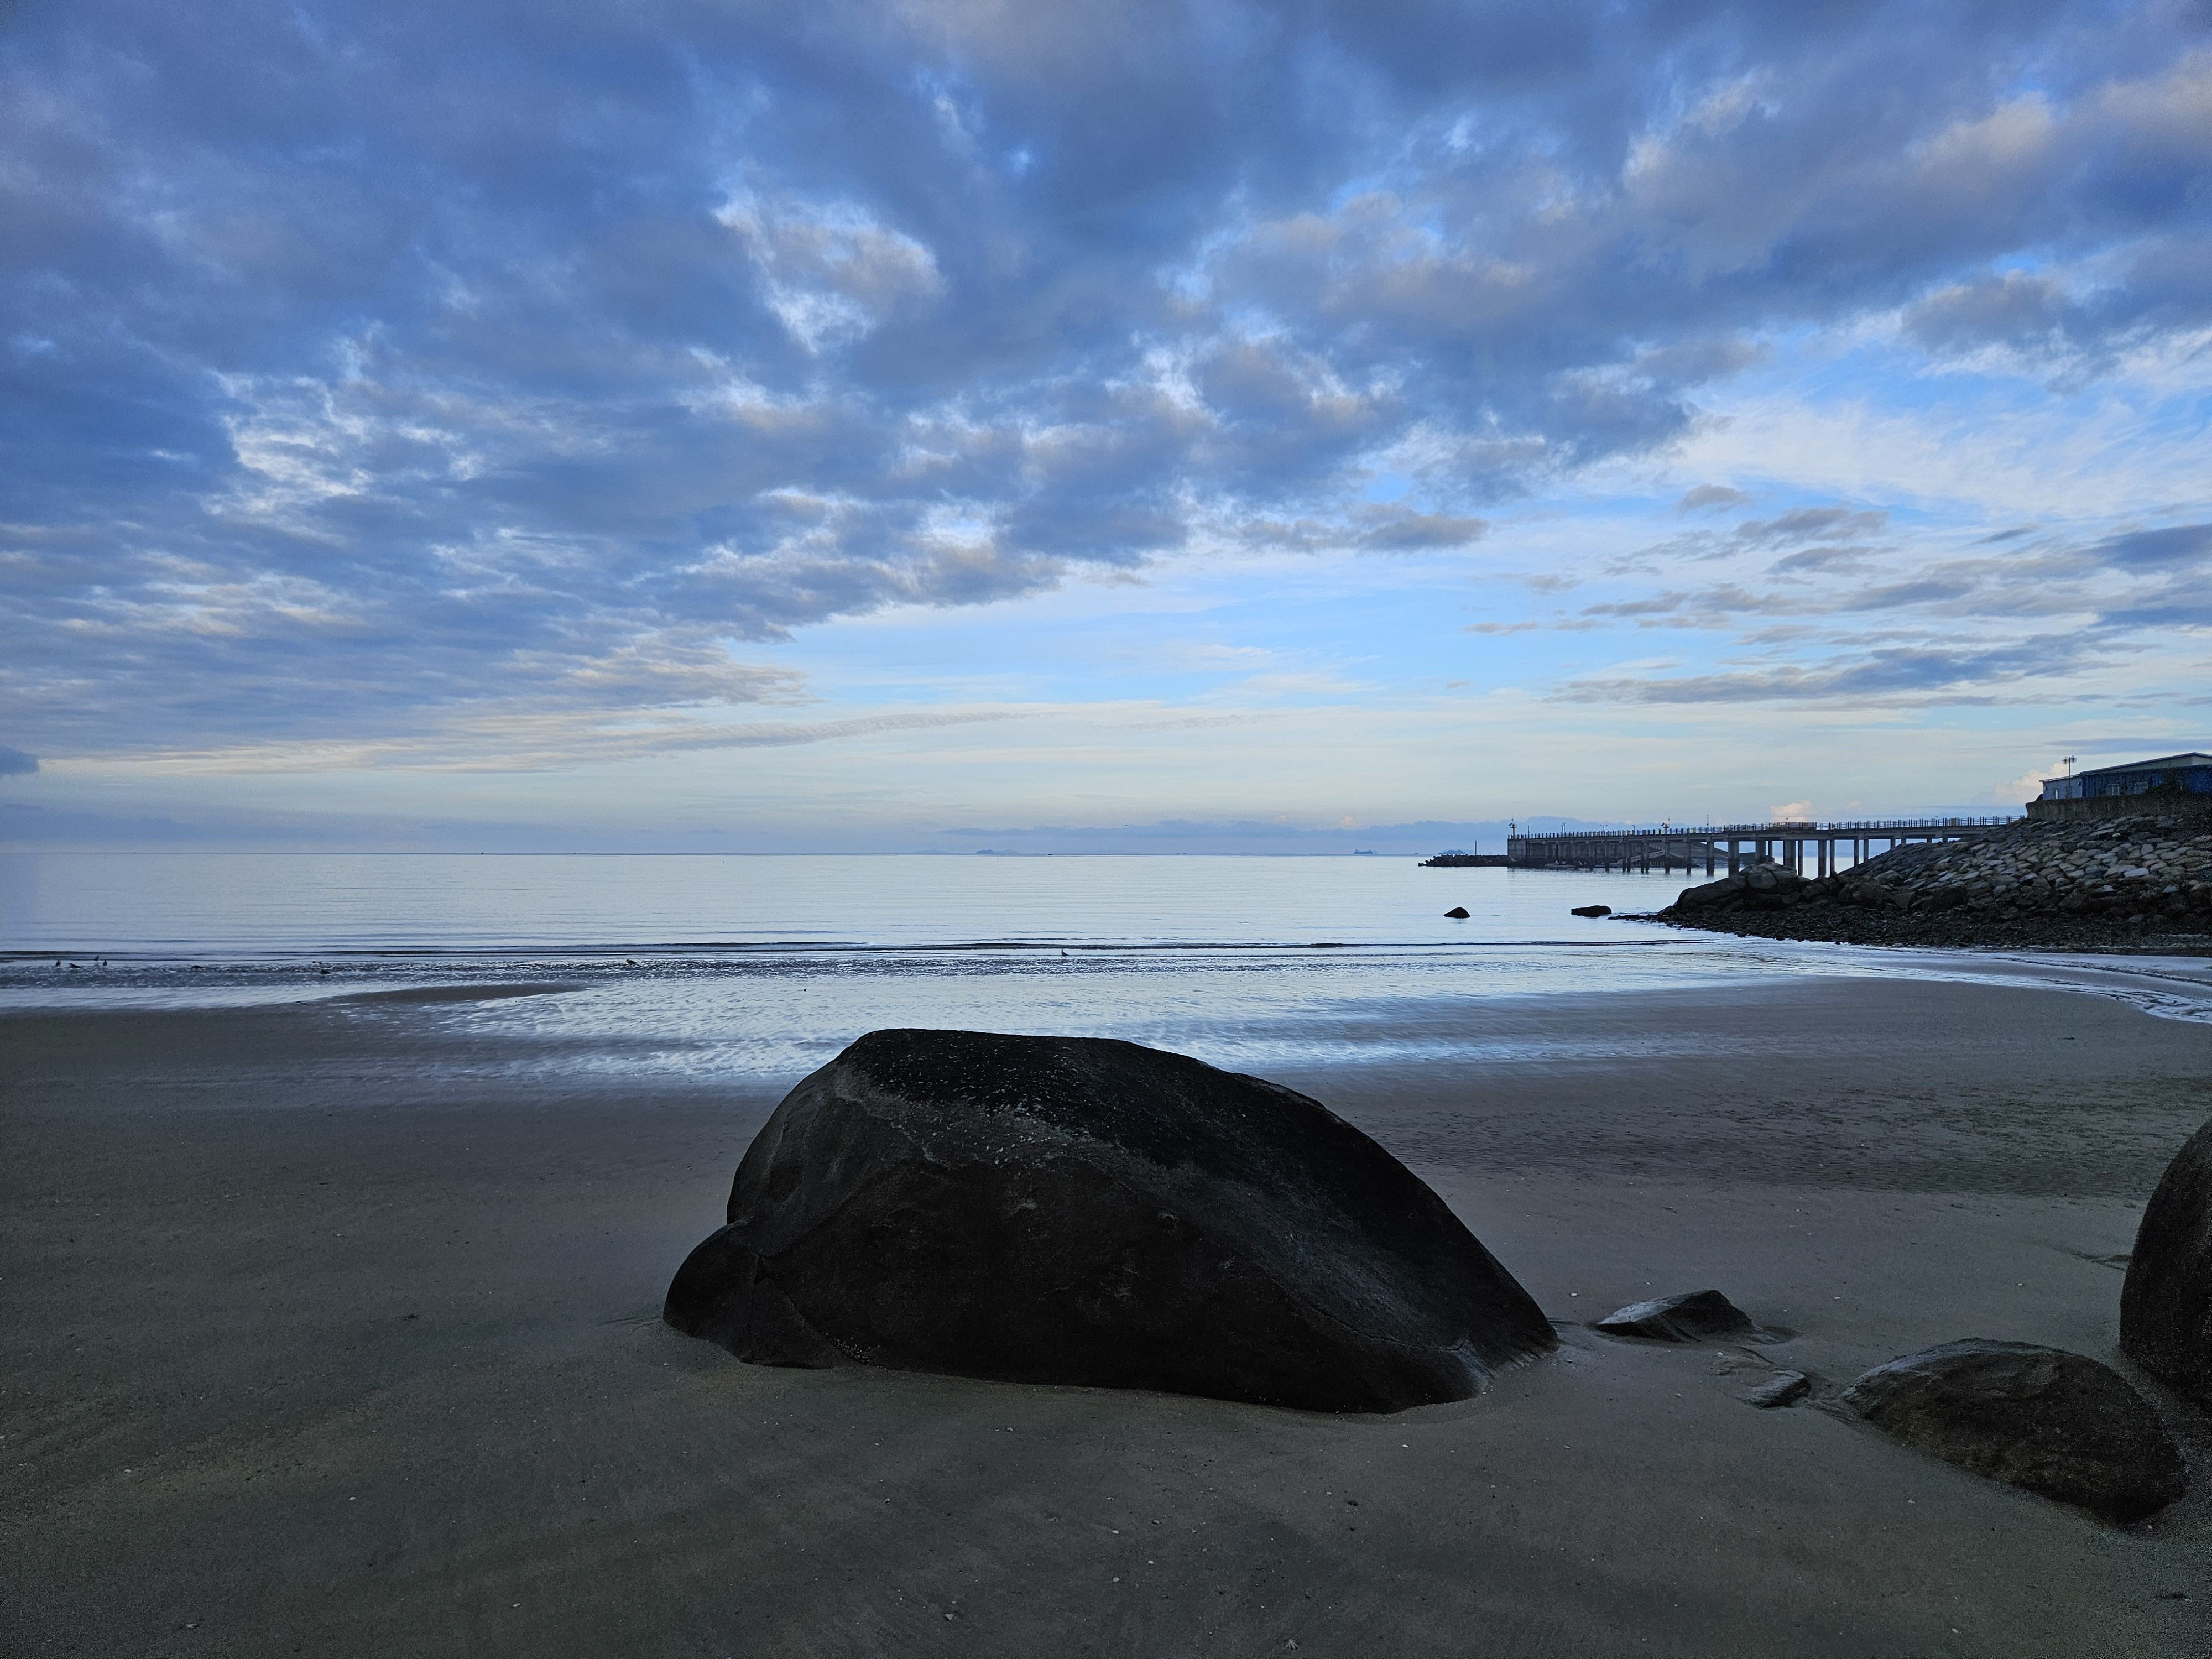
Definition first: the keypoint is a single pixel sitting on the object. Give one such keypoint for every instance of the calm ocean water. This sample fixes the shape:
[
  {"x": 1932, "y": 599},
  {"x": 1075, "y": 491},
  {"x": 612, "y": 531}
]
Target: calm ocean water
[
  {"x": 259, "y": 906},
  {"x": 764, "y": 966}
]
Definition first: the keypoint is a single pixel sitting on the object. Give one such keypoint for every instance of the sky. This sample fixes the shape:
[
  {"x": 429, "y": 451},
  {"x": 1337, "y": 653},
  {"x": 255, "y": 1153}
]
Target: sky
[{"x": 1135, "y": 426}]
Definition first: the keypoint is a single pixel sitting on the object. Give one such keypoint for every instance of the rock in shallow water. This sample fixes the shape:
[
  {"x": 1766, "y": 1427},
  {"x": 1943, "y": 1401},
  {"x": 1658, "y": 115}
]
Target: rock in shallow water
[
  {"x": 1077, "y": 1210},
  {"x": 2166, "y": 1305},
  {"x": 2052, "y": 1422},
  {"x": 1692, "y": 1317}
]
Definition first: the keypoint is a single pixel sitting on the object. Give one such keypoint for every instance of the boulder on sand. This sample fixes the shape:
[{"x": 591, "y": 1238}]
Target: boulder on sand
[
  {"x": 2052, "y": 1422},
  {"x": 1692, "y": 1317},
  {"x": 2166, "y": 1305},
  {"x": 1077, "y": 1210}
]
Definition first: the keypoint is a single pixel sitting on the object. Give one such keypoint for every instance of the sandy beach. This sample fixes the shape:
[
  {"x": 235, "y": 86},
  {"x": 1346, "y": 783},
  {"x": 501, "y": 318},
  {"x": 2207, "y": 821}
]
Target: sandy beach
[{"x": 313, "y": 1353}]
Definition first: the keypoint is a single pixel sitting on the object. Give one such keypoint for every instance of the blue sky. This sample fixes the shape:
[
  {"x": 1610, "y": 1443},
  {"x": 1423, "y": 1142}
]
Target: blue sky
[{"x": 874, "y": 426}]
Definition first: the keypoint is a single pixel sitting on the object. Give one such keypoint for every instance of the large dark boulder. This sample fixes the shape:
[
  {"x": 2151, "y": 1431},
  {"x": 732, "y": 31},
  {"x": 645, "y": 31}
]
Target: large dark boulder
[
  {"x": 1077, "y": 1210},
  {"x": 2165, "y": 1306},
  {"x": 2056, "y": 1423}
]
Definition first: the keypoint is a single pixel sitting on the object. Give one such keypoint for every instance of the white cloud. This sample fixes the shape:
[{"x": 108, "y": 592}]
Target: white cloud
[
  {"x": 427, "y": 418},
  {"x": 2098, "y": 454},
  {"x": 830, "y": 270}
]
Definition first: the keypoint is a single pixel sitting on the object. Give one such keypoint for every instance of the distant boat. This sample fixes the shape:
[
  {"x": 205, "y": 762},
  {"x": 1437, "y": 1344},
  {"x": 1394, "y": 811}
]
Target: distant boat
[{"x": 1363, "y": 852}]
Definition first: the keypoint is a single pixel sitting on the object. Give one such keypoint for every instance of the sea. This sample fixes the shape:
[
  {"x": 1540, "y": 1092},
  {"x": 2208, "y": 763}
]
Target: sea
[{"x": 760, "y": 967}]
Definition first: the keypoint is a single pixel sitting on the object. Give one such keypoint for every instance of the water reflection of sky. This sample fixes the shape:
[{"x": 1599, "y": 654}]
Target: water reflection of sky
[
  {"x": 770, "y": 1018},
  {"x": 1255, "y": 964}
]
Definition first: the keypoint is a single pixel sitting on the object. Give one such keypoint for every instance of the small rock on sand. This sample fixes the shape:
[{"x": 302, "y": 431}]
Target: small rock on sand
[
  {"x": 1692, "y": 1317},
  {"x": 1783, "y": 1389}
]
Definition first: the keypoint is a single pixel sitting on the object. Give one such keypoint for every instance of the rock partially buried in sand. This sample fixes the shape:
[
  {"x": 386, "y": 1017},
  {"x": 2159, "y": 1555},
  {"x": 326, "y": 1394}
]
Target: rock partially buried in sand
[
  {"x": 1457, "y": 913},
  {"x": 2052, "y": 1422},
  {"x": 1591, "y": 910},
  {"x": 2166, "y": 1305},
  {"x": 1758, "y": 1381},
  {"x": 1077, "y": 1210},
  {"x": 1694, "y": 1316},
  {"x": 1781, "y": 1390}
]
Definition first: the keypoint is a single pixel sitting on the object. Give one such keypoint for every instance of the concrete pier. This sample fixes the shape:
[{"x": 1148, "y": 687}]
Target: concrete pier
[{"x": 1728, "y": 848}]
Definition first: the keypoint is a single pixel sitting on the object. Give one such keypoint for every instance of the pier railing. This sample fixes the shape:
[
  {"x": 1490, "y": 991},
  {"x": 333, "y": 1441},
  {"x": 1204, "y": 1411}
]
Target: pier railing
[
  {"x": 1779, "y": 827},
  {"x": 1686, "y": 846}
]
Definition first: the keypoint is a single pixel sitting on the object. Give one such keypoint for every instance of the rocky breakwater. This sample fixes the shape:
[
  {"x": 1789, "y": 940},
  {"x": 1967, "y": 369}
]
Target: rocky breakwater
[{"x": 2142, "y": 882}]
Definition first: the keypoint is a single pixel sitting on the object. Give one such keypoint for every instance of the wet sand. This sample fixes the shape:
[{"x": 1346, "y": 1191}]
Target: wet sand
[{"x": 324, "y": 1340}]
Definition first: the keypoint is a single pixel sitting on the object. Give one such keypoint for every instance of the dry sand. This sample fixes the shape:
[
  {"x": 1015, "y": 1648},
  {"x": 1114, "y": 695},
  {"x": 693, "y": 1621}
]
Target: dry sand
[{"x": 310, "y": 1353}]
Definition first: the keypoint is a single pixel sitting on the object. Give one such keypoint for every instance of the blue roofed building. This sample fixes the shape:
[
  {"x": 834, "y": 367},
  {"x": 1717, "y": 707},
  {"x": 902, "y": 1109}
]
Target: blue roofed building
[{"x": 2171, "y": 783}]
